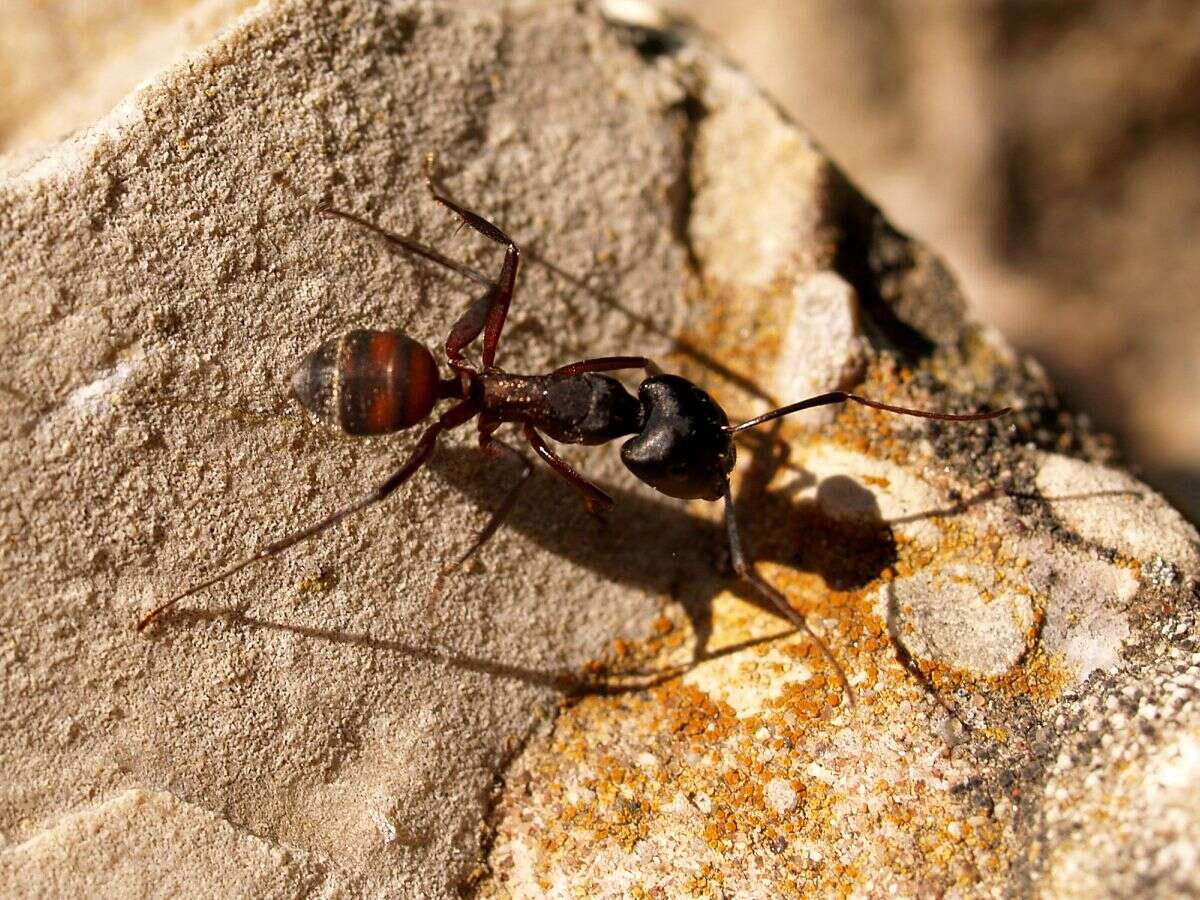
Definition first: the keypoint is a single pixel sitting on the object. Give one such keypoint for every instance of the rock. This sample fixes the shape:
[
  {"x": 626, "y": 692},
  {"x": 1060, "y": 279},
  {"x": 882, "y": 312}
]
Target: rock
[
  {"x": 1114, "y": 511},
  {"x": 341, "y": 719},
  {"x": 158, "y": 289},
  {"x": 142, "y": 843},
  {"x": 1120, "y": 816},
  {"x": 824, "y": 339}
]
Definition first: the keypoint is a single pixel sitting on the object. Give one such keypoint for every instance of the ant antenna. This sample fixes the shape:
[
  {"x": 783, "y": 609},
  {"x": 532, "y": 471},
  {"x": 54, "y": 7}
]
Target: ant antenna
[{"x": 843, "y": 396}]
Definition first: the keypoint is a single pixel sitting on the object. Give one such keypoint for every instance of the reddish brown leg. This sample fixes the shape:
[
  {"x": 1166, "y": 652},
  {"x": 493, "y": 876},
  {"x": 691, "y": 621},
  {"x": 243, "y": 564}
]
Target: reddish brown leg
[
  {"x": 597, "y": 501},
  {"x": 497, "y": 450},
  {"x": 468, "y": 327},
  {"x": 409, "y": 245},
  {"x": 608, "y": 364},
  {"x": 419, "y": 456},
  {"x": 489, "y": 312}
]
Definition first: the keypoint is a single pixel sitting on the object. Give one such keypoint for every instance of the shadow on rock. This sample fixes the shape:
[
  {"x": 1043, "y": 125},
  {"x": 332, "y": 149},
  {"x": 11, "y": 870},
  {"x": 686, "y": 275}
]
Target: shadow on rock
[
  {"x": 570, "y": 683},
  {"x": 655, "y": 544}
]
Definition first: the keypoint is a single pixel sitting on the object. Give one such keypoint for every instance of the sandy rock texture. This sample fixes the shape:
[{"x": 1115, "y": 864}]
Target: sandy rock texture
[
  {"x": 158, "y": 291},
  {"x": 1016, "y": 617}
]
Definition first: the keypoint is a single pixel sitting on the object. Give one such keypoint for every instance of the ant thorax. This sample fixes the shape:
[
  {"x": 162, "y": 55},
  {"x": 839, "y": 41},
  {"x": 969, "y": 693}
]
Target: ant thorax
[{"x": 570, "y": 409}]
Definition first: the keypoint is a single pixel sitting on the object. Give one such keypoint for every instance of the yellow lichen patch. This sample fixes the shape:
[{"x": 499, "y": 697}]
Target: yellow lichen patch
[
  {"x": 315, "y": 582},
  {"x": 790, "y": 795},
  {"x": 738, "y": 323},
  {"x": 746, "y": 682},
  {"x": 751, "y": 774},
  {"x": 1042, "y": 677}
]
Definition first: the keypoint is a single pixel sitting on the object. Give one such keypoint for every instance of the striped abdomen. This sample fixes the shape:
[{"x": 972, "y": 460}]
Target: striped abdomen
[{"x": 368, "y": 382}]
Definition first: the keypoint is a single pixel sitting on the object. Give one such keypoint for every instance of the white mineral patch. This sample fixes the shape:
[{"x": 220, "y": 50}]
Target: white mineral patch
[
  {"x": 94, "y": 391},
  {"x": 958, "y": 615},
  {"x": 822, "y": 349},
  {"x": 634, "y": 12},
  {"x": 741, "y": 682},
  {"x": 1085, "y": 599},
  {"x": 780, "y": 796},
  {"x": 1117, "y": 511}
]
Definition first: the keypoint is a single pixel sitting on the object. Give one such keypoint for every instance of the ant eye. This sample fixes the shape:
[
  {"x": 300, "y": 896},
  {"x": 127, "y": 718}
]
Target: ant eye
[{"x": 683, "y": 451}]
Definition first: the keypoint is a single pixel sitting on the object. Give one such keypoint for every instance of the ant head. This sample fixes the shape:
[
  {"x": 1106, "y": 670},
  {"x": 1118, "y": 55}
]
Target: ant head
[{"x": 684, "y": 449}]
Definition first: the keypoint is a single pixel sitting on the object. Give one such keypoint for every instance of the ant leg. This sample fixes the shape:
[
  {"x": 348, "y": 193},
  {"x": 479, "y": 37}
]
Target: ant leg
[
  {"x": 409, "y": 245},
  {"x": 473, "y": 319},
  {"x": 470, "y": 324},
  {"x": 419, "y": 456},
  {"x": 489, "y": 312},
  {"x": 746, "y": 570},
  {"x": 597, "y": 501},
  {"x": 608, "y": 364},
  {"x": 488, "y": 229},
  {"x": 396, "y": 240},
  {"x": 497, "y": 450}
]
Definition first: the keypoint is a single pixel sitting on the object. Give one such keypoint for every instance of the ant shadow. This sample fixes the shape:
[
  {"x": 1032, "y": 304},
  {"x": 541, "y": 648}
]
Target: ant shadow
[
  {"x": 650, "y": 542},
  {"x": 569, "y": 683},
  {"x": 655, "y": 544}
]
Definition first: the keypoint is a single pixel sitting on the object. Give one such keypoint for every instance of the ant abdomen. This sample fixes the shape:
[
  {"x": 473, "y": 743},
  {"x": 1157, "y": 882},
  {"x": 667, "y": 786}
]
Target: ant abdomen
[{"x": 369, "y": 382}]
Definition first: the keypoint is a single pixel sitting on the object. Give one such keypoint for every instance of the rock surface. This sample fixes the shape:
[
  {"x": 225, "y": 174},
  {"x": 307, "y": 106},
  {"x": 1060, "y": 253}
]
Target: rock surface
[
  {"x": 1026, "y": 142},
  {"x": 1017, "y": 618},
  {"x": 130, "y": 846}
]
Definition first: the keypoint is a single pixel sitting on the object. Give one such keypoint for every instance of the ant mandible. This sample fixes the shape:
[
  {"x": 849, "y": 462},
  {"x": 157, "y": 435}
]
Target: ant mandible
[{"x": 377, "y": 382}]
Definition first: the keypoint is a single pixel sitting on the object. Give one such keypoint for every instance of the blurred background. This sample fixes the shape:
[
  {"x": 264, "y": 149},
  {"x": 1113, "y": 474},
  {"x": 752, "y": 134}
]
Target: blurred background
[{"x": 1048, "y": 149}]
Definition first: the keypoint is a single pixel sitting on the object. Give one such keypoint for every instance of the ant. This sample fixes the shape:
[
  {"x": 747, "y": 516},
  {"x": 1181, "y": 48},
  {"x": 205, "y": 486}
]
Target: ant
[{"x": 377, "y": 382}]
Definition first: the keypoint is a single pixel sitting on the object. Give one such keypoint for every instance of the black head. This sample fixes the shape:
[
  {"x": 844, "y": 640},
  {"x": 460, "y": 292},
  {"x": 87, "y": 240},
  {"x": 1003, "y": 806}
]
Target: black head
[{"x": 683, "y": 449}]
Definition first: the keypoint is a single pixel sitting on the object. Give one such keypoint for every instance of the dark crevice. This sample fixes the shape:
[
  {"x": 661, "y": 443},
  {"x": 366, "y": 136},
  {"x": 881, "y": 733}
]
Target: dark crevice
[
  {"x": 513, "y": 749},
  {"x": 910, "y": 301},
  {"x": 691, "y": 113},
  {"x": 648, "y": 42}
]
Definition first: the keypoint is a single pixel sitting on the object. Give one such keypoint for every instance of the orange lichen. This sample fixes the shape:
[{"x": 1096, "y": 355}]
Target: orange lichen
[
  {"x": 771, "y": 789},
  {"x": 315, "y": 582}
]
